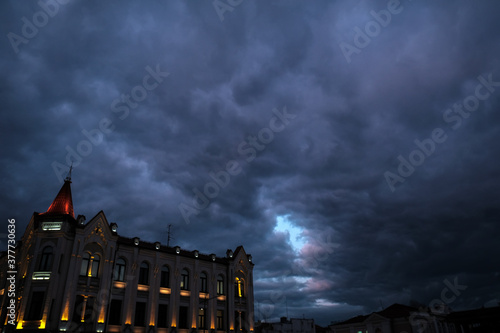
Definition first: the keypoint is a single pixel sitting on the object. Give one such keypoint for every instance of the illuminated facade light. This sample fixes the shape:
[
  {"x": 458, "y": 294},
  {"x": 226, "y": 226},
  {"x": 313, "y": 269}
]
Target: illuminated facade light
[
  {"x": 136, "y": 241},
  {"x": 41, "y": 276},
  {"x": 177, "y": 249},
  {"x": 51, "y": 226},
  {"x": 196, "y": 253},
  {"x": 157, "y": 245},
  {"x": 165, "y": 291}
]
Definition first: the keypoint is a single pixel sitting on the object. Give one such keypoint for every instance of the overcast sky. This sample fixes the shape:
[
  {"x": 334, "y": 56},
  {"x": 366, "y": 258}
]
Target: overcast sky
[{"x": 352, "y": 147}]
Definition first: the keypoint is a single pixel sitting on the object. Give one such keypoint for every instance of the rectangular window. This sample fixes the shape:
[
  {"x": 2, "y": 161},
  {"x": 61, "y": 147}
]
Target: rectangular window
[
  {"x": 143, "y": 275},
  {"x": 140, "y": 314},
  {"x": 203, "y": 283},
  {"x": 164, "y": 279},
  {"x": 115, "y": 311},
  {"x": 51, "y": 226},
  {"x": 162, "y": 315},
  {"x": 220, "y": 320},
  {"x": 201, "y": 318},
  {"x": 220, "y": 287},
  {"x": 78, "y": 308},
  {"x": 36, "y": 307},
  {"x": 183, "y": 317}
]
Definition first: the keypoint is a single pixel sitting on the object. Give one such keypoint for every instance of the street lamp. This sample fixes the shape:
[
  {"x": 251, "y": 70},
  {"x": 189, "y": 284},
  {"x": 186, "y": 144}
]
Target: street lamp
[{"x": 205, "y": 300}]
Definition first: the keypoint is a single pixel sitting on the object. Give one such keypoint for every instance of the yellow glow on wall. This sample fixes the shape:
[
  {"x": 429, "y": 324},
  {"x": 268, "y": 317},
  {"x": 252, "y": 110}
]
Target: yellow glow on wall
[
  {"x": 119, "y": 284},
  {"x": 142, "y": 287},
  {"x": 238, "y": 283},
  {"x": 20, "y": 325},
  {"x": 185, "y": 293},
  {"x": 42, "y": 324},
  {"x": 101, "y": 316},
  {"x": 65, "y": 315},
  {"x": 165, "y": 291}
]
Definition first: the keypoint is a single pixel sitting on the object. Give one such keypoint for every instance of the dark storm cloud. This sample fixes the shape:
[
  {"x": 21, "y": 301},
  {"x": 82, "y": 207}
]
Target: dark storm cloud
[{"x": 365, "y": 245}]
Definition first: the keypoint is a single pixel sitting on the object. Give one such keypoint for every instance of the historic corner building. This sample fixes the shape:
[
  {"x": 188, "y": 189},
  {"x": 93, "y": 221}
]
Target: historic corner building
[{"x": 74, "y": 275}]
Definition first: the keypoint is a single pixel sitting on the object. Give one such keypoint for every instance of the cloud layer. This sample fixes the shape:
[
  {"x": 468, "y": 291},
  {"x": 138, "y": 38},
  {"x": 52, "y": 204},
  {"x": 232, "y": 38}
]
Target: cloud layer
[{"x": 83, "y": 67}]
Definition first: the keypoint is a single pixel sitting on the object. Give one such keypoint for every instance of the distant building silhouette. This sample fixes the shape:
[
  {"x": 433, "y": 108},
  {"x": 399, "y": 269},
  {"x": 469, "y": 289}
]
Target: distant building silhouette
[
  {"x": 285, "y": 325},
  {"x": 80, "y": 276},
  {"x": 399, "y": 318}
]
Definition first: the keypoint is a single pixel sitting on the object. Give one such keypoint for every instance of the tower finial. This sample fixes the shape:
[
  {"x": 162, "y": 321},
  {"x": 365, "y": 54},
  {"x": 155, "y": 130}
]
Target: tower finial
[{"x": 68, "y": 178}]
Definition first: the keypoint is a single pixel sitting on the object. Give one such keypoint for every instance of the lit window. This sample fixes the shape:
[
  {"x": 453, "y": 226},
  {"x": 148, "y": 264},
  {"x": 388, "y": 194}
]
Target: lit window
[
  {"x": 185, "y": 280},
  {"x": 240, "y": 289},
  {"x": 46, "y": 260},
  {"x": 220, "y": 285},
  {"x": 203, "y": 282},
  {"x": 144, "y": 273},
  {"x": 201, "y": 318},
  {"x": 51, "y": 226},
  {"x": 220, "y": 320},
  {"x": 119, "y": 274},
  {"x": 96, "y": 259},
  {"x": 90, "y": 264}
]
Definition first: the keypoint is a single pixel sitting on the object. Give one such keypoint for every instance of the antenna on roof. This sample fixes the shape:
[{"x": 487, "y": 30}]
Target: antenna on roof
[
  {"x": 68, "y": 178},
  {"x": 169, "y": 235}
]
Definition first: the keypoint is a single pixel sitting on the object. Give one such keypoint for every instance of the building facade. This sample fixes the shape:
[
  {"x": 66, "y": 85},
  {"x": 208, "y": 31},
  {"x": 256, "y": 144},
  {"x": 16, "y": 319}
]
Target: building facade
[{"x": 78, "y": 275}]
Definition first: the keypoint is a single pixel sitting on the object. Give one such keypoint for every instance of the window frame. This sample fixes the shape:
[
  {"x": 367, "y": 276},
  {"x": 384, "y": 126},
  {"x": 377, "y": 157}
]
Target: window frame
[
  {"x": 203, "y": 282},
  {"x": 46, "y": 260},
  {"x": 119, "y": 271},
  {"x": 144, "y": 273},
  {"x": 184, "y": 283},
  {"x": 220, "y": 285}
]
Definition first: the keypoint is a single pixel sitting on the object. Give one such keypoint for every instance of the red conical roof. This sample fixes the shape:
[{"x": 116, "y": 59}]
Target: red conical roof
[{"x": 63, "y": 203}]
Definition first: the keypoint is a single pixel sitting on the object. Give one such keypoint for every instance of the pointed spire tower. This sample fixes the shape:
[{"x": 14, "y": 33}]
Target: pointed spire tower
[{"x": 63, "y": 203}]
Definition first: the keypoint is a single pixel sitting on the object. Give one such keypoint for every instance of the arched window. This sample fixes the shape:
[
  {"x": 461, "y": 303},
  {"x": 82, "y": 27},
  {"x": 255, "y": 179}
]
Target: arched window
[
  {"x": 184, "y": 279},
  {"x": 144, "y": 273},
  {"x": 96, "y": 260},
  {"x": 46, "y": 260},
  {"x": 220, "y": 285},
  {"x": 119, "y": 274},
  {"x": 203, "y": 282},
  {"x": 165, "y": 277},
  {"x": 85, "y": 264},
  {"x": 240, "y": 287}
]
